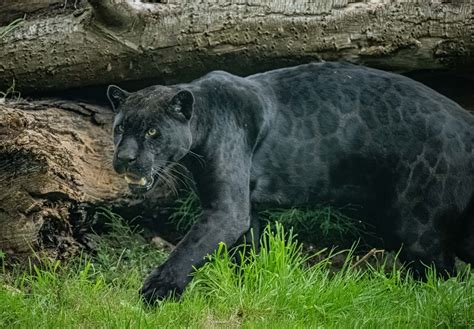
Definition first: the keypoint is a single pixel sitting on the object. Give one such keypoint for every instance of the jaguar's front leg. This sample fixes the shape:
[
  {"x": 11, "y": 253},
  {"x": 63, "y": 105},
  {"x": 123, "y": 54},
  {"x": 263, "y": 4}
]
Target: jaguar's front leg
[{"x": 225, "y": 220}]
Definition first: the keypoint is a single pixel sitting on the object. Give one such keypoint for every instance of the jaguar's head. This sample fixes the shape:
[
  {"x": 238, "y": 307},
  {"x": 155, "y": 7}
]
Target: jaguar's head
[{"x": 151, "y": 132}]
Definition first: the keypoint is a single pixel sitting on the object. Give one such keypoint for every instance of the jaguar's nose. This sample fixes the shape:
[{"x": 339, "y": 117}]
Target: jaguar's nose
[
  {"x": 126, "y": 154},
  {"x": 126, "y": 157}
]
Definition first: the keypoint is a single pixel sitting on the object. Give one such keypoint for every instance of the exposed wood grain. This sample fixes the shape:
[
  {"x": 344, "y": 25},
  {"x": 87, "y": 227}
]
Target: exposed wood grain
[{"x": 51, "y": 162}]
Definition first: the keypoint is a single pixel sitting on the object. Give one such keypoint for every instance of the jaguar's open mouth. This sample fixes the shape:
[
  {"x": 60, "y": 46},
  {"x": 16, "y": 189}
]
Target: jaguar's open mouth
[{"x": 139, "y": 184}]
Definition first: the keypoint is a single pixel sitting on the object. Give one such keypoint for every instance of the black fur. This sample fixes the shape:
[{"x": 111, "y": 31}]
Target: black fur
[{"x": 311, "y": 134}]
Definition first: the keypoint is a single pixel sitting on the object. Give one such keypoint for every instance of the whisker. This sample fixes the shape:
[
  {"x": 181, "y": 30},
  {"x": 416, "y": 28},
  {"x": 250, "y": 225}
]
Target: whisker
[
  {"x": 172, "y": 183},
  {"x": 177, "y": 164},
  {"x": 172, "y": 179},
  {"x": 185, "y": 180},
  {"x": 162, "y": 175},
  {"x": 198, "y": 157},
  {"x": 162, "y": 178}
]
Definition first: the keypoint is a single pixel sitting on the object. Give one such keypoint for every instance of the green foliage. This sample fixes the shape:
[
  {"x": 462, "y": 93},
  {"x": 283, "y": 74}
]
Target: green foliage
[
  {"x": 186, "y": 211},
  {"x": 275, "y": 289},
  {"x": 123, "y": 246}
]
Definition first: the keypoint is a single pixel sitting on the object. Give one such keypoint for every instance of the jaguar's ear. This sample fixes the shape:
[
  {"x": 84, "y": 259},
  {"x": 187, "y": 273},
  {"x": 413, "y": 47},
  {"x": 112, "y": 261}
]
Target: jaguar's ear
[
  {"x": 181, "y": 105},
  {"x": 116, "y": 96}
]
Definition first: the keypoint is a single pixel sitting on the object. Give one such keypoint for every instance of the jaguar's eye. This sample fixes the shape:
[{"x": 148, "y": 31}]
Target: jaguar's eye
[
  {"x": 120, "y": 129},
  {"x": 151, "y": 132}
]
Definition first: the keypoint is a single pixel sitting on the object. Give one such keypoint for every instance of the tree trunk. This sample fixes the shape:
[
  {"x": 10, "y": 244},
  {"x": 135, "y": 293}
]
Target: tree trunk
[{"x": 112, "y": 40}]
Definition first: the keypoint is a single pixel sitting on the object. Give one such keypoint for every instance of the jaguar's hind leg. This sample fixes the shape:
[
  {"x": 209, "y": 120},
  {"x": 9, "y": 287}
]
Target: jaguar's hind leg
[
  {"x": 418, "y": 260},
  {"x": 425, "y": 244},
  {"x": 464, "y": 242}
]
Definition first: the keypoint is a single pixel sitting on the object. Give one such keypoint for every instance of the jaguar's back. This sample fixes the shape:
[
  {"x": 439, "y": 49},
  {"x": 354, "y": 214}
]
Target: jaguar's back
[{"x": 345, "y": 134}]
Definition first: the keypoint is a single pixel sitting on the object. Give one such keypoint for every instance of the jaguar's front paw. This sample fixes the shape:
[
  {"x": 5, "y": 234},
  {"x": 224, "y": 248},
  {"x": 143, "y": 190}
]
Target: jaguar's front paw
[{"x": 159, "y": 285}]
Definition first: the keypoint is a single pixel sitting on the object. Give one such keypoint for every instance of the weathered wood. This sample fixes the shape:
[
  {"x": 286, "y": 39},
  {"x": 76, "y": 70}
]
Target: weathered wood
[
  {"x": 53, "y": 161},
  {"x": 180, "y": 40}
]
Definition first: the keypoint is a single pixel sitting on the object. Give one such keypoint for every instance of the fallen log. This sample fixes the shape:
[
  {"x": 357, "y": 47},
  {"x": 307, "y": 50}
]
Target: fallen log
[
  {"x": 110, "y": 41},
  {"x": 55, "y": 170}
]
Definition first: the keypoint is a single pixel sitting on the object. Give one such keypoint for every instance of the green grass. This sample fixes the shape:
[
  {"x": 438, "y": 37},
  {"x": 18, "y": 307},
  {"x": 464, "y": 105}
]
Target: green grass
[
  {"x": 4, "y": 30},
  {"x": 274, "y": 289},
  {"x": 186, "y": 210}
]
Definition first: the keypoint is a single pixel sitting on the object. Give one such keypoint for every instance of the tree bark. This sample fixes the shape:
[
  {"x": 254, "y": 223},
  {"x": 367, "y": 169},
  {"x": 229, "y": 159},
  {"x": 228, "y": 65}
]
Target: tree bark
[{"x": 114, "y": 40}]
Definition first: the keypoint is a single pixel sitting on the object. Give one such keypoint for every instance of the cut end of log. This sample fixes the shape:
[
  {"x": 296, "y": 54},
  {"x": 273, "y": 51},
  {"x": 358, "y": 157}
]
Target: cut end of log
[
  {"x": 47, "y": 159},
  {"x": 55, "y": 171}
]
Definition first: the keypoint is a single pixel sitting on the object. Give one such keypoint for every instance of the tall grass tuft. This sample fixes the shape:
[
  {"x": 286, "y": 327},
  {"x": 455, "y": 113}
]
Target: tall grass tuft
[{"x": 186, "y": 211}]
